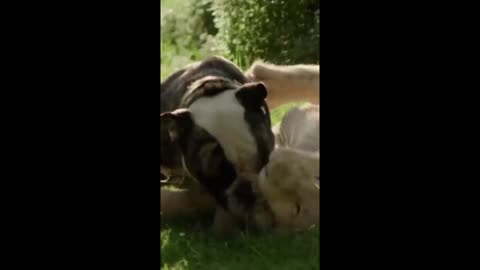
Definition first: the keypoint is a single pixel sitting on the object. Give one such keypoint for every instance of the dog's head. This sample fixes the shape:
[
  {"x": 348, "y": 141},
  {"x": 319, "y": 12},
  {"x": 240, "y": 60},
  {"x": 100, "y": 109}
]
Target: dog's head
[{"x": 223, "y": 130}]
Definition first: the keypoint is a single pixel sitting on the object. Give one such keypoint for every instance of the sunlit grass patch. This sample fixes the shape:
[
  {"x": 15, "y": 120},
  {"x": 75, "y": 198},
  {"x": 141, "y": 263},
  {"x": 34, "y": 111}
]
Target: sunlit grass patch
[{"x": 203, "y": 250}]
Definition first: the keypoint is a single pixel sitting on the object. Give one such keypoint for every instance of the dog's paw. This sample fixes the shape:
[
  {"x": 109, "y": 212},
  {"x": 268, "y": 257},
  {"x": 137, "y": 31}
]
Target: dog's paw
[{"x": 224, "y": 222}]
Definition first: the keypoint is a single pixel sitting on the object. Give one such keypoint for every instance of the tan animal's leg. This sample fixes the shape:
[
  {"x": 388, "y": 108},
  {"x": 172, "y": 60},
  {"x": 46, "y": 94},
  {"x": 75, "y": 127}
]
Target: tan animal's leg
[{"x": 289, "y": 83}]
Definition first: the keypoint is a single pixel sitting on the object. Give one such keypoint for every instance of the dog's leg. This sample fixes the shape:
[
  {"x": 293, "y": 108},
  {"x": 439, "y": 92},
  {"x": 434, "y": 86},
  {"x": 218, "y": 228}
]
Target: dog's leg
[
  {"x": 224, "y": 221},
  {"x": 185, "y": 202}
]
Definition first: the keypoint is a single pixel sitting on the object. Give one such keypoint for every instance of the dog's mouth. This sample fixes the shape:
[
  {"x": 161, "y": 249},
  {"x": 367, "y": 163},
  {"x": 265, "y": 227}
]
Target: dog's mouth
[
  {"x": 241, "y": 194},
  {"x": 247, "y": 204},
  {"x": 297, "y": 209}
]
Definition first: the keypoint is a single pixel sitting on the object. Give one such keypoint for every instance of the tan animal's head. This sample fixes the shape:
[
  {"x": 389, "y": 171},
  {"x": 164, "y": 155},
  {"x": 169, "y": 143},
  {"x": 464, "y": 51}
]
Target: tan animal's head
[{"x": 291, "y": 186}]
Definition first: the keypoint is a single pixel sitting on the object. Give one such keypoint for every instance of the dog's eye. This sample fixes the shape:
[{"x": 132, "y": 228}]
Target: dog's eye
[{"x": 264, "y": 111}]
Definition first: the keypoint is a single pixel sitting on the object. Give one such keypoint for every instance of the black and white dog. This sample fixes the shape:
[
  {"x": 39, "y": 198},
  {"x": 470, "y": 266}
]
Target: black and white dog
[{"x": 215, "y": 125}]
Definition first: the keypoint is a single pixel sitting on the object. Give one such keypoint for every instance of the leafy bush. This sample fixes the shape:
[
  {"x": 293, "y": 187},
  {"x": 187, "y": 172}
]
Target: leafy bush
[
  {"x": 189, "y": 25},
  {"x": 184, "y": 25},
  {"x": 187, "y": 34},
  {"x": 280, "y": 31}
]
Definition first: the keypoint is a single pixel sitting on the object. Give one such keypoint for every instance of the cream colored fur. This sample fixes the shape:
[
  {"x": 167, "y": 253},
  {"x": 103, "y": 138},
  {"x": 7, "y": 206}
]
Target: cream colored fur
[
  {"x": 289, "y": 186},
  {"x": 289, "y": 182},
  {"x": 287, "y": 83}
]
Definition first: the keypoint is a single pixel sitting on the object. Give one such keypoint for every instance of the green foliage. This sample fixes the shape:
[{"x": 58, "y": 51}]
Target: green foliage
[
  {"x": 280, "y": 31},
  {"x": 188, "y": 23},
  {"x": 188, "y": 33}
]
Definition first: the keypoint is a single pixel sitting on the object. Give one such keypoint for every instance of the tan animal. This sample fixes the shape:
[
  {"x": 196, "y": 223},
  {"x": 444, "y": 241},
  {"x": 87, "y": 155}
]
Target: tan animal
[
  {"x": 290, "y": 182},
  {"x": 288, "y": 187}
]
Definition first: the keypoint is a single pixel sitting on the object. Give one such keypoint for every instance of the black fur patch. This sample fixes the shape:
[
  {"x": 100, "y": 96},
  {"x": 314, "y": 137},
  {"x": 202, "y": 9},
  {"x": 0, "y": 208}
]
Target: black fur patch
[
  {"x": 208, "y": 88},
  {"x": 257, "y": 115},
  {"x": 245, "y": 195}
]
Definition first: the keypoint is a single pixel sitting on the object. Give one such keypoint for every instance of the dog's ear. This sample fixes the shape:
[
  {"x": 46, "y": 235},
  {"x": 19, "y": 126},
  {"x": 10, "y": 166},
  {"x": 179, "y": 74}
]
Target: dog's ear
[
  {"x": 252, "y": 94},
  {"x": 177, "y": 123}
]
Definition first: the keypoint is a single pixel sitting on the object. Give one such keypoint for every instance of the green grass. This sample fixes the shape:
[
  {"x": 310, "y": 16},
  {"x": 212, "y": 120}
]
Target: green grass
[{"x": 184, "y": 246}]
